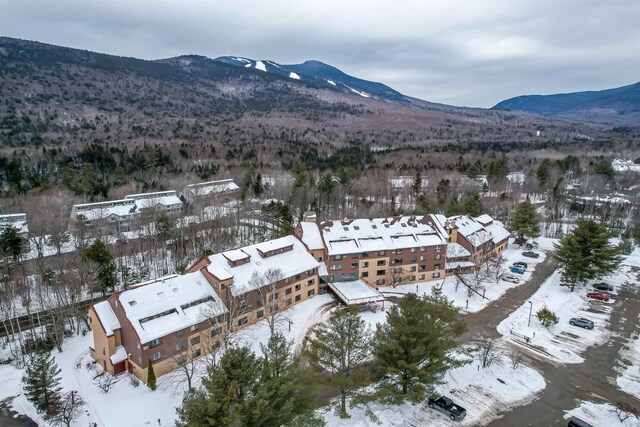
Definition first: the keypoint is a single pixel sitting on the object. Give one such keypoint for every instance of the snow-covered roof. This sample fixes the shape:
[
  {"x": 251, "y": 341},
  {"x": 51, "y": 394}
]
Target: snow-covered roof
[
  {"x": 472, "y": 230},
  {"x": 211, "y": 187},
  {"x": 169, "y": 304},
  {"x": 406, "y": 181},
  {"x": 235, "y": 255},
  {"x": 364, "y": 235},
  {"x": 620, "y": 165},
  {"x": 311, "y": 235},
  {"x": 322, "y": 270},
  {"x": 17, "y": 221},
  {"x": 99, "y": 210},
  {"x": 484, "y": 219},
  {"x": 150, "y": 200},
  {"x": 356, "y": 292},
  {"x": 456, "y": 250},
  {"x": 498, "y": 230},
  {"x": 516, "y": 177},
  {"x": 290, "y": 263},
  {"x": 119, "y": 356},
  {"x": 458, "y": 264},
  {"x": 107, "y": 317}
]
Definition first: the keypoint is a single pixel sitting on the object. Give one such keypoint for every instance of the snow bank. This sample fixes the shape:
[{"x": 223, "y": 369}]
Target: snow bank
[
  {"x": 483, "y": 392},
  {"x": 600, "y": 414}
]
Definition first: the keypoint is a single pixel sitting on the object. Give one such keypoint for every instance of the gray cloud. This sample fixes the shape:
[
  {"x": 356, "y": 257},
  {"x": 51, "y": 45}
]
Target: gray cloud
[{"x": 473, "y": 53}]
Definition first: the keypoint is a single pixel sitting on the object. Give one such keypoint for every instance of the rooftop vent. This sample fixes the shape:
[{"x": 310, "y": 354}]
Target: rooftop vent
[
  {"x": 161, "y": 294},
  {"x": 132, "y": 303}
]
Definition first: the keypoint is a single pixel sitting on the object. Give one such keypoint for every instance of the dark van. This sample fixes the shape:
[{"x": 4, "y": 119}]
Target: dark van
[{"x": 577, "y": 422}]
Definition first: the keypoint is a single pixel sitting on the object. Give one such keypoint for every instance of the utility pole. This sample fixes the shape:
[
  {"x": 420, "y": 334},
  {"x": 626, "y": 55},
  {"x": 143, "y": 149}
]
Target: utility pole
[{"x": 530, "y": 311}]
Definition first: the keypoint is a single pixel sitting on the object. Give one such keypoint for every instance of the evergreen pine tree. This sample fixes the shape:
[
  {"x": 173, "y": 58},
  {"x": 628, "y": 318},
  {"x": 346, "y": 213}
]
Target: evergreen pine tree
[
  {"x": 586, "y": 254},
  {"x": 285, "y": 390},
  {"x": 525, "y": 221},
  {"x": 415, "y": 347},
  {"x": 11, "y": 243},
  {"x": 151, "y": 377},
  {"x": 339, "y": 348},
  {"x": 225, "y": 390},
  {"x": 472, "y": 205},
  {"x": 416, "y": 187},
  {"x": 41, "y": 383}
]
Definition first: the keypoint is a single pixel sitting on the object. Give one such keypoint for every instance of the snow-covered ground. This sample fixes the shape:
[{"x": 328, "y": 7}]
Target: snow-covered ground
[
  {"x": 629, "y": 378},
  {"x": 600, "y": 414},
  {"x": 492, "y": 290},
  {"x": 482, "y": 392},
  {"x": 563, "y": 342}
]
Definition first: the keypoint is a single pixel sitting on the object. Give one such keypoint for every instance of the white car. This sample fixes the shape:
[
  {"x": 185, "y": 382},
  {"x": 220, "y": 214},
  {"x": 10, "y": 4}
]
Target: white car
[{"x": 511, "y": 278}]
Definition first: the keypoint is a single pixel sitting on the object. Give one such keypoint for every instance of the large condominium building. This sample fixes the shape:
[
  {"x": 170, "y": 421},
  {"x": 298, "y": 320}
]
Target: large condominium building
[
  {"x": 217, "y": 191},
  {"x": 254, "y": 280},
  {"x": 401, "y": 250},
  {"x": 175, "y": 319},
  {"x": 166, "y": 322},
  {"x": 126, "y": 214},
  {"x": 17, "y": 221},
  {"x": 382, "y": 252}
]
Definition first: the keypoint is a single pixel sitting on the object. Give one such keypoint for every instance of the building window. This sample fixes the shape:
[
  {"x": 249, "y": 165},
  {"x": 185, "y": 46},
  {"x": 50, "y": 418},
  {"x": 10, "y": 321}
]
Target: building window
[
  {"x": 313, "y": 270},
  {"x": 421, "y": 277},
  {"x": 288, "y": 291},
  {"x": 364, "y": 274},
  {"x": 412, "y": 278},
  {"x": 298, "y": 286},
  {"x": 337, "y": 257},
  {"x": 354, "y": 256},
  {"x": 288, "y": 301},
  {"x": 381, "y": 272},
  {"x": 196, "y": 353},
  {"x": 422, "y": 257},
  {"x": 311, "y": 282},
  {"x": 180, "y": 333},
  {"x": 243, "y": 321},
  {"x": 181, "y": 359},
  {"x": 437, "y": 256},
  {"x": 436, "y": 267},
  {"x": 311, "y": 292},
  {"x": 215, "y": 344},
  {"x": 435, "y": 275},
  {"x": 397, "y": 261},
  {"x": 195, "y": 340},
  {"x": 414, "y": 259},
  {"x": 337, "y": 267},
  {"x": 382, "y": 253},
  {"x": 438, "y": 248},
  {"x": 397, "y": 269},
  {"x": 298, "y": 276},
  {"x": 194, "y": 327},
  {"x": 413, "y": 268},
  {"x": 380, "y": 282},
  {"x": 354, "y": 265},
  {"x": 259, "y": 313},
  {"x": 298, "y": 297},
  {"x": 215, "y": 332},
  {"x": 413, "y": 250},
  {"x": 180, "y": 346},
  {"x": 365, "y": 264},
  {"x": 155, "y": 356},
  {"x": 382, "y": 262},
  {"x": 155, "y": 342}
]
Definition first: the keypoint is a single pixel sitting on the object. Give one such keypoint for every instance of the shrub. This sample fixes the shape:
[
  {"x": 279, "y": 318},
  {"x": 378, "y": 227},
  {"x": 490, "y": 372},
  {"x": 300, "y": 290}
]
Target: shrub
[
  {"x": 151, "y": 377},
  {"x": 547, "y": 317}
]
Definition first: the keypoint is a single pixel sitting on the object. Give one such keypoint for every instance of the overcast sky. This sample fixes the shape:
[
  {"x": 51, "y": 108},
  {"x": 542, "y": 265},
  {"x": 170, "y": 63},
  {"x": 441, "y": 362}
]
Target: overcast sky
[{"x": 472, "y": 53}]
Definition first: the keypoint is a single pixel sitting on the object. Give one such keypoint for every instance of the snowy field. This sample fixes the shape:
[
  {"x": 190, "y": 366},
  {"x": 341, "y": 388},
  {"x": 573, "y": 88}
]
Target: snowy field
[
  {"x": 563, "y": 342},
  {"x": 600, "y": 414},
  {"x": 482, "y": 392},
  {"x": 493, "y": 291},
  {"x": 629, "y": 378}
]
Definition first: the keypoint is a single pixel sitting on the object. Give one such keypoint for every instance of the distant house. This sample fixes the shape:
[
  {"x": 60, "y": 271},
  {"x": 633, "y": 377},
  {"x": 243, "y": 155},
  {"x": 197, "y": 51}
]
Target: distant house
[
  {"x": 126, "y": 214},
  {"x": 17, "y": 221},
  {"x": 220, "y": 191}
]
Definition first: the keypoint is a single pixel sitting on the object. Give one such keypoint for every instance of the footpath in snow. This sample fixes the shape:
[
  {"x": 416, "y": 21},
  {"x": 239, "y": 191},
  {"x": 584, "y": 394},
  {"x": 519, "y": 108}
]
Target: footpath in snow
[{"x": 564, "y": 342}]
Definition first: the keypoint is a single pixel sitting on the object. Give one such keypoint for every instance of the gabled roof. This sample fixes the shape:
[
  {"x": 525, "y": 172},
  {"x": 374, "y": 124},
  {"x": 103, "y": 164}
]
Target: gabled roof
[
  {"x": 107, "y": 317},
  {"x": 311, "y": 235}
]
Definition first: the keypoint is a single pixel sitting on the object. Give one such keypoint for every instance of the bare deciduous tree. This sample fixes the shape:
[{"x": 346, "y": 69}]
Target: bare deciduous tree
[
  {"x": 267, "y": 285},
  {"x": 489, "y": 353},
  {"x": 69, "y": 409}
]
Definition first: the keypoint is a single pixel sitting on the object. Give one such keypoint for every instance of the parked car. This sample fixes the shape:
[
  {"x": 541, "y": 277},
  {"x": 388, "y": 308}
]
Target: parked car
[
  {"x": 446, "y": 406},
  {"x": 582, "y": 322},
  {"x": 598, "y": 295},
  {"x": 577, "y": 422},
  {"x": 511, "y": 278},
  {"x": 516, "y": 269},
  {"x": 521, "y": 264},
  {"x": 602, "y": 286},
  {"x": 531, "y": 254}
]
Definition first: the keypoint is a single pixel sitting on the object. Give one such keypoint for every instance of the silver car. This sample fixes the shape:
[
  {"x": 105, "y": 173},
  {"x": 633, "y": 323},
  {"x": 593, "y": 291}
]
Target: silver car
[
  {"x": 511, "y": 278},
  {"x": 582, "y": 322}
]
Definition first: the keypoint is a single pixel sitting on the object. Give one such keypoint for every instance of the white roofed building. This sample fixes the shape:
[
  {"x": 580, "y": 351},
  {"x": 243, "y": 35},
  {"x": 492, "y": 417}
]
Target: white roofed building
[
  {"x": 167, "y": 321},
  {"x": 212, "y": 191},
  {"x": 19, "y": 223}
]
